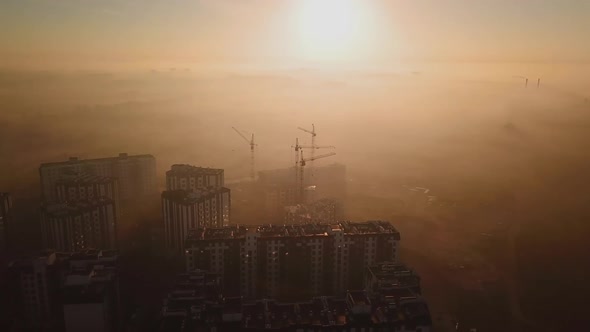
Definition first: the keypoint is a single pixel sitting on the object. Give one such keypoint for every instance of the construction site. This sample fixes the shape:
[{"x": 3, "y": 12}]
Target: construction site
[{"x": 307, "y": 192}]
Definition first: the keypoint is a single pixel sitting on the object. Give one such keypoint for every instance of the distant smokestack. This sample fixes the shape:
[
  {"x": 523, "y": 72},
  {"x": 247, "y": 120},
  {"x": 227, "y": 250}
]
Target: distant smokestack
[
  {"x": 538, "y": 83},
  {"x": 526, "y": 83}
]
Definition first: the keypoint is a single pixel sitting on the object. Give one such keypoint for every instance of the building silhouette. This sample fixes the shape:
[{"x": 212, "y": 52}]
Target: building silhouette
[
  {"x": 80, "y": 225},
  {"x": 183, "y": 210},
  {"x": 136, "y": 175},
  {"x": 291, "y": 262}
]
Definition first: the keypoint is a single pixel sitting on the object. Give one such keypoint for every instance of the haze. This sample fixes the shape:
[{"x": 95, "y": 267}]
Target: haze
[
  {"x": 420, "y": 93},
  {"x": 83, "y": 34}
]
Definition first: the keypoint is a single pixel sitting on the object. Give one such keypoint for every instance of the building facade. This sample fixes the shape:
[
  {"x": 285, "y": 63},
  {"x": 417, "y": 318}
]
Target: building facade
[
  {"x": 90, "y": 293},
  {"x": 80, "y": 225},
  {"x": 82, "y": 187},
  {"x": 57, "y": 291},
  {"x": 187, "y": 177},
  {"x": 276, "y": 198},
  {"x": 292, "y": 261},
  {"x": 33, "y": 286},
  {"x": 355, "y": 311},
  {"x": 136, "y": 175},
  {"x": 184, "y": 210},
  {"x": 6, "y": 222}
]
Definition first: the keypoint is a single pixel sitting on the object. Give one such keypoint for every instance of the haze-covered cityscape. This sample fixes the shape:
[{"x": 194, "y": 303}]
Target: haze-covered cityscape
[{"x": 243, "y": 189}]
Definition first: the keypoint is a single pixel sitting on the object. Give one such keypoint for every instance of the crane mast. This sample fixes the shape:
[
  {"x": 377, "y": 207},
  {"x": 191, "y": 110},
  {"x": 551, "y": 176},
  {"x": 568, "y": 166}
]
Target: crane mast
[
  {"x": 313, "y": 134},
  {"x": 302, "y": 163},
  {"x": 252, "y": 145},
  {"x": 299, "y": 149}
]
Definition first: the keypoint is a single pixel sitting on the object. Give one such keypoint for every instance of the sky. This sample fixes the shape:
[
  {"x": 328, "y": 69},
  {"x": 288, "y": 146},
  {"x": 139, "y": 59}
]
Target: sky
[{"x": 51, "y": 32}]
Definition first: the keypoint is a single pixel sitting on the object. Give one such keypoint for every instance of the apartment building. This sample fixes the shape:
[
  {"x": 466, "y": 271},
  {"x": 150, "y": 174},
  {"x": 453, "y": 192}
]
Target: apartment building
[
  {"x": 5, "y": 221},
  {"x": 188, "y": 177},
  {"x": 136, "y": 175},
  {"x": 289, "y": 262},
  {"x": 57, "y": 291},
  {"x": 90, "y": 292},
  {"x": 80, "y": 225},
  {"x": 33, "y": 285},
  {"x": 183, "y": 210},
  {"x": 82, "y": 187}
]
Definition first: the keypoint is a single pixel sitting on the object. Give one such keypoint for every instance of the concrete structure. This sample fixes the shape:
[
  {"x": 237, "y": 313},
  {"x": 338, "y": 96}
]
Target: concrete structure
[
  {"x": 187, "y": 177},
  {"x": 279, "y": 188},
  {"x": 353, "y": 312},
  {"x": 183, "y": 210},
  {"x": 321, "y": 211},
  {"x": 80, "y": 225},
  {"x": 33, "y": 285},
  {"x": 5, "y": 222},
  {"x": 51, "y": 290},
  {"x": 136, "y": 175},
  {"x": 293, "y": 261},
  {"x": 387, "y": 278},
  {"x": 187, "y": 299},
  {"x": 276, "y": 198},
  {"x": 90, "y": 293},
  {"x": 81, "y": 187}
]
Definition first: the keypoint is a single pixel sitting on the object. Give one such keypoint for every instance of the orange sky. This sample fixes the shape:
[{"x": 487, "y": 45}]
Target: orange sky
[{"x": 86, "y": 32}]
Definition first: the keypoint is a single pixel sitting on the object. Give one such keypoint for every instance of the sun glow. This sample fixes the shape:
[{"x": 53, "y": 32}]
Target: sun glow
[{"x": 332, "y": 29}]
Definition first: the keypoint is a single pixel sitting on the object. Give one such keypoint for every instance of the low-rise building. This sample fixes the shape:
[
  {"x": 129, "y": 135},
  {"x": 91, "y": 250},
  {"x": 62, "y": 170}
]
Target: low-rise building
[
  {"x": 90, "y": 293},
  {"x": 388, "y": 277},
  {"x": 353, "y": 312}
]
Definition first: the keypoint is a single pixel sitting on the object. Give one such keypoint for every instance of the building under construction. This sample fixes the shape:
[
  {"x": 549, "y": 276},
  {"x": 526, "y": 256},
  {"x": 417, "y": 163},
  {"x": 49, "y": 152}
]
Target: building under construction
[
  {"x": 279, "y": 188},
  {"x": 320, "y": 211}
]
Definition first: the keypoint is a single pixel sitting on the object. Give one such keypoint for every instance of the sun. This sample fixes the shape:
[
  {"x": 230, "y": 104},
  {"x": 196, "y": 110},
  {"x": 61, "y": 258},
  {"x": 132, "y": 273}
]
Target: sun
[{"x": 330, "y": 29}]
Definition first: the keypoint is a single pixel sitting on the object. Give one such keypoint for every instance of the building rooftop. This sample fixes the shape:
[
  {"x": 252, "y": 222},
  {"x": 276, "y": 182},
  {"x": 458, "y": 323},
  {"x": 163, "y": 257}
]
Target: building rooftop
[
  {"x": 75, "y": 160},
  {"x": 184, "y": 169},
  {"x": 292, "y": 230},
  {"x": 318, "y": 312},
  {"x": 410, "y": 313},
  {"x": 388, "y": 275},
  {"x": 27, "y": 261},
  {"x": 194, "y": 196}
]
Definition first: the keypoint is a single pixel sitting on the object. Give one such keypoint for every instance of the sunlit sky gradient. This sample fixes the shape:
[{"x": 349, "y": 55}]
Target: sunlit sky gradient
[{"x": 54, "y": 32}]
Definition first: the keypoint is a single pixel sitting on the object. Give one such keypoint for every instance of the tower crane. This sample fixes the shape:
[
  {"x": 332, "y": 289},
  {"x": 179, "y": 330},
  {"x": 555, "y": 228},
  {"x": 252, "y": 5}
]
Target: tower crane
[
  {"x": 299, "y": 148},
  {"x": 313, "y": 134},
  {"x": 302, "y": 162},
  {"x": 252, "y": 145}
]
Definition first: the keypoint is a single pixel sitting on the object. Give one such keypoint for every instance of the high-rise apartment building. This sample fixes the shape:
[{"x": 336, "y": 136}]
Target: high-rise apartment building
[
  {"x": 33, "y": 286},
  {"x": 136, "y": 175},
  {"x": 276, "y": 198},
  {"x": 80, "y": 225},
  {"x": 291, "y": 261},
  {"x": 83, "y": 187},
  {"x": 187, "y": 177},
  {"x": 184, "y": 210},
  {"x": 5, "y": 221},
  {"x": 57, "y": 291}
]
